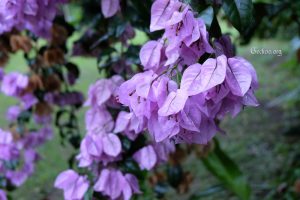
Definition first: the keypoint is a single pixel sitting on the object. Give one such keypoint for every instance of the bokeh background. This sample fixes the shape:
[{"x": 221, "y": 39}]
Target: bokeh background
[{"x": 263, "y": 141}]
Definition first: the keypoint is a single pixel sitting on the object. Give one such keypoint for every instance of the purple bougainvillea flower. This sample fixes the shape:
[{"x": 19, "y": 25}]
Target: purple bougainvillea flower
[
  {"x": 248, "y": 65},
  {"x": 34, "y": 15},
  {"x": 133, "y": 182},
  {"x": 93, "y": 145},
  {"x": 146, "y": 157},
  {"x": 42, "y": 119},
  {"x": 165, "y": 13},
  {"x": 3, "y": 195},
  {"x": 223, "y": 45},
  {"x": 111, "y": 145},
  {"x": 110, "y": 7},
  {"x": 109, "y": 183},
  {"x": 160, "y": 133},
  {"x": 135, "y": 93},
  {"x": 122, "y": 121},
  {"x": 73, "y": 185},
  {"x": 13, "y": 113},
  {"x": 174, "y": 103},
  {"x": 13, "y": 83},
  {"x": 7, "y": 147},
  {"x": 129, "y": 125},
  {"x": 238, "y": 77},
  {"x": 101, "y": 91},
  {"x": 190, "y": 116},
  {"x": 1, "y": 73},
  {"x": 199, "y": 78},
  {"x": 114, "y": 184},
  {"x": 28, "y": 100},
  {"x": 150, "y": 55},
  {"x": 18, "y": 177},
  {"x": 98, "y": 121},
  {"x": 36, "y": 138},
  {"x": 163, "y": 150}
]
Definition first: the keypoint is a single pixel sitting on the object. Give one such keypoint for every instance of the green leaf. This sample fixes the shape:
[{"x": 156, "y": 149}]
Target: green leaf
[
  {"x": 208, "y": 192},
  {"x": 239, "y": 13},
  {"x": 89, "y": 194},
  {"x": 226, "y": 170},
  {"x": 207, "y": 16}
]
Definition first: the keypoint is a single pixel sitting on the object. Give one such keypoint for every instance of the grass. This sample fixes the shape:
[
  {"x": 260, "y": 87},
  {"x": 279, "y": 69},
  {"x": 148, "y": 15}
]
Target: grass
[{"x": 253, "y": 139}]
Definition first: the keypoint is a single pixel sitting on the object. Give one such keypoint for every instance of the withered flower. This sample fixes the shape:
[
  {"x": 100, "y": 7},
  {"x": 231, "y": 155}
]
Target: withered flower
[
  {"x": 20, "y": 42},
  {"x": 54, "y": 56},
  {"x": 4, "y": 49},
  {"x": 51, "y": 83},
  {"x": 35, "y": 82},
  {"x": 42, "y": 109},
  {"x": 3, "y": 58},
  {"x": 59, "y": 35},
  {"x": 157, "y": 177},
  {"x": 178, "y": 156},
  {"x": 184, "y": 186}
]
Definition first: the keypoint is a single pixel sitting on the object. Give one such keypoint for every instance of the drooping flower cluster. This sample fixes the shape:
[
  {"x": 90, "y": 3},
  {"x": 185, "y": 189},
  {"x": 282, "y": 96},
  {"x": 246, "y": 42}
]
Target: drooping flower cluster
[
  {"x": 101, "y": 150},
  {"x": 19, "y": 155},
  {"x": 33, "y": 15},
  {"x": 186, "y": 108},
  {"x": 18, "y": 146},
  {"x": 30, "y": 121}
]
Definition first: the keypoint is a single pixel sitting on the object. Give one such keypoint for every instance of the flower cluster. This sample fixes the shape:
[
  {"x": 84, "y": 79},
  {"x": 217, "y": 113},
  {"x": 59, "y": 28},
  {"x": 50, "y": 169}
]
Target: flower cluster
[
  {"x": 102, "y": 152},
  {"x": 176, "y": 97},
  {"x": 33, "y": 15},
  {"x": 18, "y": 146}
]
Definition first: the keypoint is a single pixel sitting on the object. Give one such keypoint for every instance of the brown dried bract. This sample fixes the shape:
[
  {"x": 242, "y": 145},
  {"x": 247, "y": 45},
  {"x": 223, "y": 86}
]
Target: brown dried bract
[
  {"x": 54, "y": 56},
  {"x": 156, "y": 178},
  {"x": 35, "y": 82},
  {"x": 178, "y": 156},
  {"x": 51, "y": 83},
  {"x": 20, "y": 42},
  {"x": 185, "y": 184},
  {"x": 3, "y": 58},
  {"x": 59, "y": 35},
  {"x": 42, "y": 109}
]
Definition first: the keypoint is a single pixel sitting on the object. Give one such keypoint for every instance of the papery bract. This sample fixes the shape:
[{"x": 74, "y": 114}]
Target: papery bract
[
  {"x": 74, "y": 186},
  {"x": 199, "y": 78},
  {"x": 150, "y": 55},
  {"x": 238, "y": 77},
  {"x": 174, "y": 103},
  {"x": 146, "y": 157},
  {"x": 111, "y": 144},
  {"x": 110, "y": 7}
]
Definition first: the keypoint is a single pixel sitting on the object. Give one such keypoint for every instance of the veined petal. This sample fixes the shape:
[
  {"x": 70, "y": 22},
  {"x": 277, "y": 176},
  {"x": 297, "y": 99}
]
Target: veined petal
[
  {"x": 174, "y": 103},
  {"x": 146, "y": 157},
  {"x": 238, "y": 77},
  {"x": 111, "y": 145},
  {"x": 197, "y": 78}
]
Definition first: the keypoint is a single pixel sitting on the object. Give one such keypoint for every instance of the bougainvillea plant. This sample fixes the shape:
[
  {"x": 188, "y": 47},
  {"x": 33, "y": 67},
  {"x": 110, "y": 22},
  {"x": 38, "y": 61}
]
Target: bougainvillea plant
[{"x": 152, "y": 105}]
